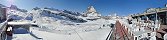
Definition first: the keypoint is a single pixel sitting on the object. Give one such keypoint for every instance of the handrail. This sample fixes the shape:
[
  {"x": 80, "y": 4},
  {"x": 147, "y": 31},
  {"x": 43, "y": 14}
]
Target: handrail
[
  {"x": 35, "y": 36},
  {"x": 2, "y": 30},
  {"x": 3, "y": 27},
  {"x": 109, "y": 35}
]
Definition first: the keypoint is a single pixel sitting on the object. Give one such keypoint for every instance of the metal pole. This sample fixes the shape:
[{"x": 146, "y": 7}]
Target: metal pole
[
  {"x": 156, "y": 21},
  {"x": 156, "y": 17},
  {"x": 166, "y": 16}
]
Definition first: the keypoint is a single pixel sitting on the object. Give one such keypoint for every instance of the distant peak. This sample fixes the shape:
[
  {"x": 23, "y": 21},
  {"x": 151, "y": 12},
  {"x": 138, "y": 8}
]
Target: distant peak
[
  {"x": 13, "y": 7},
  {"x": 91, "y": 9}
]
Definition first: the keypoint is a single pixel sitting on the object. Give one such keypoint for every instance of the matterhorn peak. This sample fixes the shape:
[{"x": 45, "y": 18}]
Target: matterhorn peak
[
  {"x": 14, "y": 7},
  {"x": 91, "y": 11}
]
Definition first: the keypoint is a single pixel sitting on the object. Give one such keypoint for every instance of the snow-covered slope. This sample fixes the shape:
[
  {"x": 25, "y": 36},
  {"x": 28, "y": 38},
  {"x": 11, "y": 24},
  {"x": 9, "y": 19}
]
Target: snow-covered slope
[
  {"x": 14, "y": 7},
  {"x": 16, "y": 13},
  {"x": 2, "y": 5},
  {"x": 19, "y": 15},
  {"x": 57, "y": 15}
]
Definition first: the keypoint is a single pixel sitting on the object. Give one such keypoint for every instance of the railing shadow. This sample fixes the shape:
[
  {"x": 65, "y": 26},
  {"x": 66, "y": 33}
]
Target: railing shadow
[{"x": 35, "y": 36}]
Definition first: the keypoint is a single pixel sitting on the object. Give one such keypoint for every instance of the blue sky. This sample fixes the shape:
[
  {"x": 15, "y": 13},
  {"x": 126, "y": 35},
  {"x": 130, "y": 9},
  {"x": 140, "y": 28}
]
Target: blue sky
[{"x": 104, "y": 7}]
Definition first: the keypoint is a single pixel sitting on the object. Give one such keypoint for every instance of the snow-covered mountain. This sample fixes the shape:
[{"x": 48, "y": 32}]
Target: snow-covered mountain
[
  {"x": 16, "y": 13},
  {"x": 45, "y": 13},
  {"x": 2, "y": 5},
  {"x": 65, "y": 11},
  {"x": 14, "y": 7},
  {"x": 56, "y": 15}
]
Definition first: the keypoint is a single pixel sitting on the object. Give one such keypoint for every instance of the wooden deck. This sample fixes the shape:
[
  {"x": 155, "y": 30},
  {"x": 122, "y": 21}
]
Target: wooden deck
[{"x": 120, "y": 33}]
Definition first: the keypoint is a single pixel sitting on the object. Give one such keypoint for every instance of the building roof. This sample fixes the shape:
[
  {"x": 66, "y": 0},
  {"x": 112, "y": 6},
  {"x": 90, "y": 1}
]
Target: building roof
[
  {"x": 152, "y": 11},
  {"x": 19, "y": 23}
]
